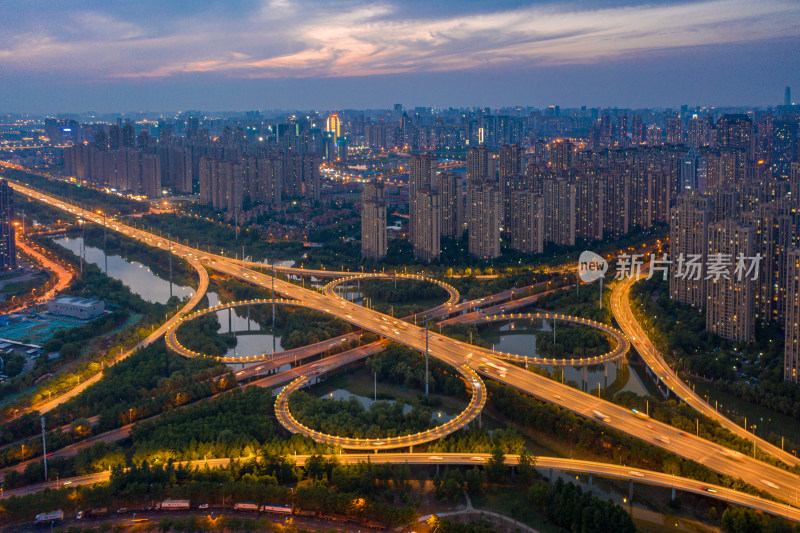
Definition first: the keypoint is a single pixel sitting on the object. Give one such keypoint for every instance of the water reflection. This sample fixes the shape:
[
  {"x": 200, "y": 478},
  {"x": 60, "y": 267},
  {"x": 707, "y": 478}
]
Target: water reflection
[
  {"x": 520, "y": 338},
  {"x": 251, "y": 339},
  {"x": 341, "y": 394},
  {"x": 135, "y": 275}
]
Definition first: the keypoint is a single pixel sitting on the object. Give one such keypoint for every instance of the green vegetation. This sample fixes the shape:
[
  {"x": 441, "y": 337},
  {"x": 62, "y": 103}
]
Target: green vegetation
[
  {"x": 601, "y": 441},
  {"x": 239, "y": 423},
  {"x": 145, "y": 384},
  {"x": 43, "y": 214},
  {"x": 132, "y": 249},
  {"x": 744, "y": 520},
  {"x": 200, "y": 335},
  {"x": 348, "y": 418},
  {"x": 751, "y": 372},
  {"x": 13, "y": 364},
  {"x": 71, "y": 343},
  {"x": 400, "y": 365},
  {"x": 220, "y": 237},
  {"x": 363, "y": 491},
  {"x": 397, "y": 365},
  {"x": 19, "y": 288},
  {"x": 572, "y": 342},
  {"x": 567, "y": 506},
  {"x": 300, "y": 327},
  {"x": 85, "y": 197},
  {"x": 403, "y": 298}
]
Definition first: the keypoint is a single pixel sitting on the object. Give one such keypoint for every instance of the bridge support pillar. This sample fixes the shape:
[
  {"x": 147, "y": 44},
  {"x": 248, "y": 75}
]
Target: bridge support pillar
[
  {"x": 512, "y": 472},
  {"x": 248, "y": 318},
  {"x": 230, "y": 320},
  {"x": 590, "y": 484},
  {"x": 673, "y": 494},
  {"x": 437, "y": 469},
  {"x": 551, "y": 476},
  {"x": 630, "y": 492}
]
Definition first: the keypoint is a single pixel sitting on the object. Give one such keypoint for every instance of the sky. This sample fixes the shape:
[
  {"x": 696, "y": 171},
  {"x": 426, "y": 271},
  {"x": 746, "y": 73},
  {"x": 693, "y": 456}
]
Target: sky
[{"x": 214, "y": 55}]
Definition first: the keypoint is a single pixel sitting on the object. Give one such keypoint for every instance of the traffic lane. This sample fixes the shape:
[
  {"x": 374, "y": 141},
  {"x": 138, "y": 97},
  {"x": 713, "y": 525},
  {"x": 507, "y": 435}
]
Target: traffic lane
[
  {"x": 691, "y": 447},
  {"x": 297, "y": 292},
  {"x": 623, "y": 312}
]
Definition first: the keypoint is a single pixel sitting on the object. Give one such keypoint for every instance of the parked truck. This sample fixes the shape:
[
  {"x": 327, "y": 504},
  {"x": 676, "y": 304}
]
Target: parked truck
[
  {"x": 49, "y": 517},
  {"x": 245, "y": 506},
  {"x": 175, "y": 505}
]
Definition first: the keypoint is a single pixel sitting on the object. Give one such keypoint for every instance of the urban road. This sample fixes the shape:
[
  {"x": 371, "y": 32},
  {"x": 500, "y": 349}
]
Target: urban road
[
  {"x": 633, "y": 475},
  {"x": 621, "y": 307},
  {"x": 780, "y": 483}
]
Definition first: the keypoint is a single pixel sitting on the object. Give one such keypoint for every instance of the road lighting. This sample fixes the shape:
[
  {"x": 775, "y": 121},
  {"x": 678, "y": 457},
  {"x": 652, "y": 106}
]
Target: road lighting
[{"x": 105, "y": 253}]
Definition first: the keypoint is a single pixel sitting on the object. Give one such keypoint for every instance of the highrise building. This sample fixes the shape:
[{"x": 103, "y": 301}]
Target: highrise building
[
  {"x": 420, "y": 176},
  {"x": 334, "y": 126},
  {"x": 735, "y": 131},
  {"x": 427, "y": 221},
  {"x": 562, "y": 154},
  {"x": 688, "y": 237},
  {"x": 791, "y": 366},
  {"x": 559, "y": 212},
  {"x": 373, "y": 220},
  {"x": 484, "y": 213},
  {"x": 784, "y": 143},
  {"x": 698, "y": 134},
  {"x": 526, "y": 227},
  {"x": 8, "y": 244},
  {"x": 674, "y": 131},
  {"x": 452, "y": 204},
  {"x": 730, "y": 298}
]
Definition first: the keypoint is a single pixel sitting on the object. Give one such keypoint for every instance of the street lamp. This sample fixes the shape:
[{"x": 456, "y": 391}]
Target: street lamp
[{"x": 105, "y": 239}]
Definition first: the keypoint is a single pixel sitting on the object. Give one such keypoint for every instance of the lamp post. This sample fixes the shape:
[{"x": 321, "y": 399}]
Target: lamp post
[{"x": 105, "y": 238}]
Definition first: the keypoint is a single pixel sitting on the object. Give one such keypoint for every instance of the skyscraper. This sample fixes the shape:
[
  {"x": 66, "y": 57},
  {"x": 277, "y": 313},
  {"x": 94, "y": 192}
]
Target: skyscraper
[
  {"x": 730, "y": 309},
  {"x": 8, "y": 244},
  {"x": 427, "y": 220},
  {"x": 791, "y": 366},
  {"x": 373, "y": 220},
  {"x": 526, "y": 227},
  {"x": 452, "y": 204},
  {"x": 484, "y": 219},
  {"x": 420, "y": 176},
  {"x": 334, "y": 126},
  {"x": 688, "y": 232},
  {"x": 734, "y": 131}
]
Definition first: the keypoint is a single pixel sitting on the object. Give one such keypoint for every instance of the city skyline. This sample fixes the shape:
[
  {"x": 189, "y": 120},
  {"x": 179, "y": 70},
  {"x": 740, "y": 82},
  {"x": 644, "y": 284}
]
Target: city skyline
[{"x": 271, "y": 55}]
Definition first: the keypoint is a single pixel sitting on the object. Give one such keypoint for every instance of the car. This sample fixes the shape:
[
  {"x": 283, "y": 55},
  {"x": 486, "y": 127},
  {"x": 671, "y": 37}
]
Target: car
[
  {"x": 663, "y": 439},
  {"x": 203, "y": 506},
  {"x": 67, "y": 483},
  {"x": 706, "y": 489},
  {"x": 769, "y": 484},
  {"x": 684, "y": 434},
  {"x": 79, "y": 516},
  {"x": 635, "y": 473},
  {"x": 122, "y": 510},
  {"x": 436, "y": 458}
]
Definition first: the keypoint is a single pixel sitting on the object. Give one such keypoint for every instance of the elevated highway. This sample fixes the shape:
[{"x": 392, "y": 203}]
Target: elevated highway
[
  {"x": 611, "y": 471},
  {"x": 778, "y": 482},
  {"x": 623, "y": 313}
]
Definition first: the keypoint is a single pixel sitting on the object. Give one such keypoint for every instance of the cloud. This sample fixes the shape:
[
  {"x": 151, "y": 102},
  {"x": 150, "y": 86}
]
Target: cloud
[{"x": 298, "y": 39}]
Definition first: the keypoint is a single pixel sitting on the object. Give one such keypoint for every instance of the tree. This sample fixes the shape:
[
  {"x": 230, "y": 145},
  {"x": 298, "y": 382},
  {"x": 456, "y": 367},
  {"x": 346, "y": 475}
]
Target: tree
[
  {"x": 474, "y": 480},
  {"x": 496, "y": 466},
  {"x": 526, "y": 467}
]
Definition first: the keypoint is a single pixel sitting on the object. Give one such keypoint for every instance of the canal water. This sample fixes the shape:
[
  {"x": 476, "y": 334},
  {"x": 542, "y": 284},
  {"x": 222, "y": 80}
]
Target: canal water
[
  {"x": 138, "y": 277},
  {"x": 519, "y": 338}
]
